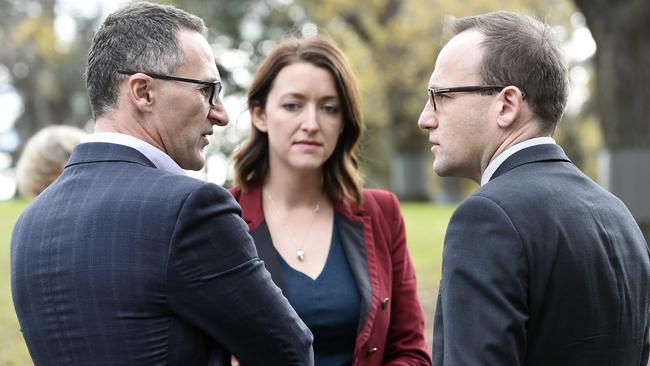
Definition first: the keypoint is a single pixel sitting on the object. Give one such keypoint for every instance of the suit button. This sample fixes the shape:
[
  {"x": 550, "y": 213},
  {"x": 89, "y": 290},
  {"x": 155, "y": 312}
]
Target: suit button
[
  {"x": 372, "y": 350},
  {"x": 384, "y": 304}
]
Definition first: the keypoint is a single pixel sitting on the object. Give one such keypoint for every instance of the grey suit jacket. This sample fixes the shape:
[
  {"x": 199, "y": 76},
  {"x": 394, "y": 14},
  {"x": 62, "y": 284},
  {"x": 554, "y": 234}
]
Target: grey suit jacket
[
  {"x": 542, "y": 266},
  {"x": 120, "y": 263}
]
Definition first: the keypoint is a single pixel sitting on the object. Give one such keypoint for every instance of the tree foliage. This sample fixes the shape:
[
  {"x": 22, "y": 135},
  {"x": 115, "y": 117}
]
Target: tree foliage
[
  {"x": 622, "y": 69},
  {"x": 622, "y": 65},
  {"x": 392, "y": 45},
  {"x": 46, "y": 71}
]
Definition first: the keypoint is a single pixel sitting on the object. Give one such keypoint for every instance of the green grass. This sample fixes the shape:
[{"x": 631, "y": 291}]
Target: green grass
[
  {"x": 12, "y": 347},
  {"x": 425, "y": 230},
  {"x": 425, "y": 227}
]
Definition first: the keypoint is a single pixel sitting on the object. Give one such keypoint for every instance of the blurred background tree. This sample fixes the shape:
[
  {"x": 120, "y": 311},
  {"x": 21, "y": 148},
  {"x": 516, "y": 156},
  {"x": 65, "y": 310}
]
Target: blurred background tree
[
  {"x": 392, "y": 45},
  {"x": 45, "y": 70},
  {"x": 622, "y": 64}
]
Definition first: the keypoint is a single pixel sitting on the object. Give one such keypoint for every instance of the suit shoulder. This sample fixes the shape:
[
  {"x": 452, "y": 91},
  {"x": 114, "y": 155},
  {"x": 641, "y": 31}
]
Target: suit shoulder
[
  {"x": 185, "y": 181},
  {"x": 517, "y": 186},
  {"x": 236, "y": 192},
  {"x": 381, "y": 203},
  {"x": 479, "y": 202},
  {"x": 380, "y": 197},
  {"x": 168, "y": 187}
]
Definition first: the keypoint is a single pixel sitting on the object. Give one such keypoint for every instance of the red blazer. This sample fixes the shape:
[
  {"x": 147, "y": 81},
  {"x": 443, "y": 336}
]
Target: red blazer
[{"x": 391, "y": 328}]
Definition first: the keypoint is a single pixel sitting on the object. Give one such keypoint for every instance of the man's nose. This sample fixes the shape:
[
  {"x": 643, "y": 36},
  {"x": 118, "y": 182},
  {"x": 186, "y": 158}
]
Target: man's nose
[
  {"x": 218, "y": 114},
  {"x": 427, "y": 118}
]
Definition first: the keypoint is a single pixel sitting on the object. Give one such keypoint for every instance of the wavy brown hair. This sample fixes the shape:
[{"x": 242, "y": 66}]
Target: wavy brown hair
[{"x": 341, "y": 177}]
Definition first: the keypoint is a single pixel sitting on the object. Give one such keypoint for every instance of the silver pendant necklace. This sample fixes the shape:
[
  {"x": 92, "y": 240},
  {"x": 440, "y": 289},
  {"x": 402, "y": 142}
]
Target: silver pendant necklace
[{"x": 300, "y": 253}]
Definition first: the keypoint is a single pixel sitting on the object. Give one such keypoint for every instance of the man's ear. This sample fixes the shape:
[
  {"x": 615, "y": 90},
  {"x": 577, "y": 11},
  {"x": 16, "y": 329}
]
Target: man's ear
[
  {"x": 509, "y": 106},
  {"x": 141, "y": 92},
  {"x": 258, "y": 118}
]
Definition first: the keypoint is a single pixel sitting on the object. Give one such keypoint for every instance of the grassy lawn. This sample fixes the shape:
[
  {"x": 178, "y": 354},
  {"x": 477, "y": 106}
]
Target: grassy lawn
[
  {"x": 425, "y": 231},
  {"x": 12, "y": 348},
  {"x": 425, "y": 225}
]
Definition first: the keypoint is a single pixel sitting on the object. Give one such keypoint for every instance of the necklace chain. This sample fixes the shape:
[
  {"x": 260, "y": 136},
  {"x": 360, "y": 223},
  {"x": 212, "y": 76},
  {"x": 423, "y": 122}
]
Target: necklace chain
[{"x": 300, "y": 253}]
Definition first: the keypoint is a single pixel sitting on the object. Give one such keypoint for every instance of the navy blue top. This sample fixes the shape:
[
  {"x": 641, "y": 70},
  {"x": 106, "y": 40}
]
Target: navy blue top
[{"x": 329, "y": 305}]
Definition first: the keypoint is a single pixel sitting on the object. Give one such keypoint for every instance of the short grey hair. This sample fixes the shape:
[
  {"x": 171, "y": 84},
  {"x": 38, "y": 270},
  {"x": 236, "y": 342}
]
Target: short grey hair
[
  {"x": 522, "y": 51},
  {"x": 141, "y": 36}
]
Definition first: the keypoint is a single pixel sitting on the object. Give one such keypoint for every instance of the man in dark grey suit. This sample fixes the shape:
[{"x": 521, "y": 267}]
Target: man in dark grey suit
[
  {"x": 125, "y": 260},
  {"x": 541, "y": 266}
]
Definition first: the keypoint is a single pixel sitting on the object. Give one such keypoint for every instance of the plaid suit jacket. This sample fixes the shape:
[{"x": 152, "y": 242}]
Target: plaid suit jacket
[{"x": 120, "y": 263}]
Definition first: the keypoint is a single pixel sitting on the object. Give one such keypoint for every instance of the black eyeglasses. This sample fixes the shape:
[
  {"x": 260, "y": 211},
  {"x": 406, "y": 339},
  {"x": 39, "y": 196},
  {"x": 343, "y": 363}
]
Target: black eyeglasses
[
  {"x": 475, "y": 88},
  {"x": 215, "y": 89}
]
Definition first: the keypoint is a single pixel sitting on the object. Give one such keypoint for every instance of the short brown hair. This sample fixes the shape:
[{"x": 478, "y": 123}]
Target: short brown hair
[
  {"x": 522, "y": 51},
  {"x": 342, "y": 179}
]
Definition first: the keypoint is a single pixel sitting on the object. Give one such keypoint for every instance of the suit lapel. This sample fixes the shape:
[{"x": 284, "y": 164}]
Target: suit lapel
[
  {"x": 533, "y": 154},
  {"x": 252, "y": 200},
  {"x": 254, "y": 217},
  {"x": 355, "y": 229},
  {"x": 353, "y": 240},
  {"x": 357, "y": 238}
]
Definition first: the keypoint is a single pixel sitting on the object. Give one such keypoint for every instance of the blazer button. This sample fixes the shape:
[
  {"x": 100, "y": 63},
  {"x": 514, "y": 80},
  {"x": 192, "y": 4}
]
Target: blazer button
[
  {"x": 384, "y": 304},
  {"x": 372, "y": 350}
]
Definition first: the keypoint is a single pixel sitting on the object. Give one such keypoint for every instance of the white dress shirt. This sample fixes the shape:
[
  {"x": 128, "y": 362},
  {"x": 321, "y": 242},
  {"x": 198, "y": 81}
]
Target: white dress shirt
[
  {"x": 156, "y": 156},
  {"x": 494, "y": 164}
]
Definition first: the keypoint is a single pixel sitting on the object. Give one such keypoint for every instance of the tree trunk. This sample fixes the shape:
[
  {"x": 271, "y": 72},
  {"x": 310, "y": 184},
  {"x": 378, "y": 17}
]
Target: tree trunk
[
  {"x": 626, "y": 173},
  {"x": 622, "y": 64},
  {"x": 409, "y": 176}
]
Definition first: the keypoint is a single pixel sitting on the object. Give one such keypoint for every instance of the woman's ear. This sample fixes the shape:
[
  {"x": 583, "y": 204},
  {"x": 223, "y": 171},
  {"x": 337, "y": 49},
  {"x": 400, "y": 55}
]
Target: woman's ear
[
  {"x": 510, "y": 105},
  {"x": 258, "y": 118}
]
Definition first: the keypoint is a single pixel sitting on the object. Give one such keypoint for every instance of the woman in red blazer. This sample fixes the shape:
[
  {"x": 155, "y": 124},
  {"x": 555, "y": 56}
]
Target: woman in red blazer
[{"x": 337, "y": 251}]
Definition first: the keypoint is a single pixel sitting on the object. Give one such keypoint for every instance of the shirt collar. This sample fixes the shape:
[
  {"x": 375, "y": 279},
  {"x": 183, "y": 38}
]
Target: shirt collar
[
  {"x": 157, "y": 157},
  {"x": 494, "y": 164}
]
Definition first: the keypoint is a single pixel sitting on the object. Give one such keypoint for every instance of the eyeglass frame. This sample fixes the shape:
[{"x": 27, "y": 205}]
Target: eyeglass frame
[
  {"x": 471, "y": 88},
  {"x": 216, "y": 85}
]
